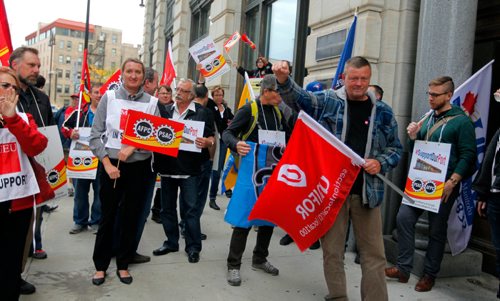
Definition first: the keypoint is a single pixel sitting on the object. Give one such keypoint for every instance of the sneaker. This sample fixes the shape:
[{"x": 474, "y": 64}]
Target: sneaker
[
  {"x": 266, "y": 267},
  {"x": 233, "y": 277},
  {"x": 77, "y": 229},
  {"x": 94, "y": 228},
  {"x": 40, "y": 254},
  {"x": 71, "y": 192},
  {"x": 27, "y": 288}
]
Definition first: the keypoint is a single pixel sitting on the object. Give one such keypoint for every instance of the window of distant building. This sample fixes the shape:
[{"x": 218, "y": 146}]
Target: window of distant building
[
  {"x": 61, "y": 44},
  {"x": 113, "y": 65},
  {"x": 272, "y": 25},
  {"x": 79, "y": 61},
  {"x": 200, "y": 24},
  {"x": 68, "y": 60},
  {"x": 59, "y": 73},
  {"x": 59, "y": 88},
  {"x": 113, "y": 51},
  {"x": 114, "y": 39},
  {"x": 80, "y": 47},
  {"x": 67, "y": 74},
  {"x": 66, "y": 89},
  {"x": 69, "y": 45},
  {"x": 61, "y": 59}
]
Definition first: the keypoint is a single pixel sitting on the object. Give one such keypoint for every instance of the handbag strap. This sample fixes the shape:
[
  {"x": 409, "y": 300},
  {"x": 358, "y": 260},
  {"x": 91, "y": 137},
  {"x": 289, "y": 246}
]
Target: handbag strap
[{"x": 438, "y": 124}]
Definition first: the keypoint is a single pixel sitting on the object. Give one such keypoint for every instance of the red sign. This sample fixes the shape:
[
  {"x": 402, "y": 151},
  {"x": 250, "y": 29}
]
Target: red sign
[
  {"x": 5, "y": 41},
  {"x": 153, "y": 133},
  {"x": 9, "y": 158},
  {"x": 168, "y": 70},
  {"x": 315, "y": 175}
]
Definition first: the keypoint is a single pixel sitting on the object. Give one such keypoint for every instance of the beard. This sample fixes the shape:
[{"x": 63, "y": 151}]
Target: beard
[{"x": 27, "y": 81}]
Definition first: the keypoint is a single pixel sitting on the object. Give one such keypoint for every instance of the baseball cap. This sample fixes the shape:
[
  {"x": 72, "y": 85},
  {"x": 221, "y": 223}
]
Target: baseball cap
[
  {"x": 75, "y": 95},
  {"x": 268, "y": 82}
]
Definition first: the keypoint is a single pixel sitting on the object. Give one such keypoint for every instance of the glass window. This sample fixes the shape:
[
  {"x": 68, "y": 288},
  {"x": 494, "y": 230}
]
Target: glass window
[
  {"x": 66, "y": 89},
  {"x": 59, "y": 73},
  {"x": 61, "y": 44},
  {"x": 79, "y": 61},
  {"x": 113, "y": 51},
  {"x": 67, "y": 74},
  {"x": 200, "y": 24},
  {"x": 282, "y": 30},
  {"x": 252, "y": 30},
  {"x": 114, "y": 39},
  {"x": 80, "y": 47},
  {"x": 113, "y": 65},
  {"x": 61, "y": 58},
  {"x": 69, "y": 45},
  {"x": 59, "y": 88},
  {"x": 68, "y": 60}
]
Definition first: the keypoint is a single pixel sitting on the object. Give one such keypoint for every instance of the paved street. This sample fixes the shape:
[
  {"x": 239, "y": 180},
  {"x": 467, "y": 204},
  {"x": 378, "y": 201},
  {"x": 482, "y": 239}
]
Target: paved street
[{"x": 66, "y": 273}]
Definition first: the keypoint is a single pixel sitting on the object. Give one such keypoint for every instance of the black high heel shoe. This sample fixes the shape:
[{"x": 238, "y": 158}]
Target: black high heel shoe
[
  {"x": 98, "y": 281},
  {"x": 126, "y": 280}
]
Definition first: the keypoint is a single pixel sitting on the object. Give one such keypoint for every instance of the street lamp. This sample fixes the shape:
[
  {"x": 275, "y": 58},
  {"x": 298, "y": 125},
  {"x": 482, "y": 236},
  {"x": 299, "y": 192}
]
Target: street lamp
[{"x": 142, "y": 3}]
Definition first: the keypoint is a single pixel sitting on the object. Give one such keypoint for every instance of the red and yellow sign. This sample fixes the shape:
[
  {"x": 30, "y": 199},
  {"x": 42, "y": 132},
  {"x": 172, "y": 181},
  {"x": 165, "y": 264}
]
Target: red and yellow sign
[
  {"x": 57, "y": 176},
  {"x": 153, "y": 133}
]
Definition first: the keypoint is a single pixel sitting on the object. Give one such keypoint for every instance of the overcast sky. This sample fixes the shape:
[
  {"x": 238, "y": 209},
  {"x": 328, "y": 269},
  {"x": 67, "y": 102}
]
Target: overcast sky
[{"x": 24, "y": 16}]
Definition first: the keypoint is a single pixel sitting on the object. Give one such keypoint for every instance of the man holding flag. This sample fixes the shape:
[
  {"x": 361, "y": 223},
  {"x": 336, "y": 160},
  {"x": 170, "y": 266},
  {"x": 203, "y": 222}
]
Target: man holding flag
[
  {"x": 446, "y": 124},
  {"x": 371, "y": 131}
]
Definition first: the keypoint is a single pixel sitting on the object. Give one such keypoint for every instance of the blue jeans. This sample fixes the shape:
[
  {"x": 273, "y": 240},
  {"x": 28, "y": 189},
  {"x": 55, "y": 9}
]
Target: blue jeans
[
  {"x": 438, "y": 225},
  {"x": 214, "y": 186},
  {"x": 189, "y": 212},
  {"x": 493, "y": 212},
  {"x": 146, "y": 207},
  {"x": 81, "y": 200}
]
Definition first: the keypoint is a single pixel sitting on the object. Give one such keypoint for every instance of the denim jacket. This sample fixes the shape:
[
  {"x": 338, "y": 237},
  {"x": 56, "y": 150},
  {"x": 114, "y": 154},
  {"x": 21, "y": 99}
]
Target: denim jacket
[{"x": 329, "y": 108}]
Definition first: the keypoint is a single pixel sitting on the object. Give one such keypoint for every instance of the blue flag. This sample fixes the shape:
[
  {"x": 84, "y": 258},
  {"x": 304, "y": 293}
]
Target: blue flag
[
  {"x": 255, "y": 169},
  {"x": 338, "y": 82}
]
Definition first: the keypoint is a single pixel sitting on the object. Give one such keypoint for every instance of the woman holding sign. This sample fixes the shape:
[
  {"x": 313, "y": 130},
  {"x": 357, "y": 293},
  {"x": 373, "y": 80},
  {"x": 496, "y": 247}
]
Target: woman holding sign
[
  {"x": 123, "y": 171},
  {"x": 19, "y": 138}
]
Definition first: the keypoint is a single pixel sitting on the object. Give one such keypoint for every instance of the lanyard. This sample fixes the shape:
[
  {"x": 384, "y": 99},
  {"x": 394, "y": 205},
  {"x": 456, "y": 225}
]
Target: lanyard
[
  {"x": 264, "y": 115},
  {"x": 36, "y": 104}
]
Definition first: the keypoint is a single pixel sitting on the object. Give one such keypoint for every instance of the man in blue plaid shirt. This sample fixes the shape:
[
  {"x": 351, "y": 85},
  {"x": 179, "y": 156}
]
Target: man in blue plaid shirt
[{"x": 368, "y": 127}]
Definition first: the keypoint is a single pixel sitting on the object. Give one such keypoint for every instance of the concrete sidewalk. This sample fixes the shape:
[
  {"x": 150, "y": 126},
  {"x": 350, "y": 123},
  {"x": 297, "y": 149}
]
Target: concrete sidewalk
[{"x": 66, "y": 273}]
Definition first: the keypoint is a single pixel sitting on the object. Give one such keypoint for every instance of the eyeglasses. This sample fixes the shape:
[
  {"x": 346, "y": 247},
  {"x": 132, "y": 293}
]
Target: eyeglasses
[
  {"x": 5, "y": 86},
  {"x": 434, "y": 95},
  {"x": 164, "y": 93},
  {"x": 179, "y": 90}
]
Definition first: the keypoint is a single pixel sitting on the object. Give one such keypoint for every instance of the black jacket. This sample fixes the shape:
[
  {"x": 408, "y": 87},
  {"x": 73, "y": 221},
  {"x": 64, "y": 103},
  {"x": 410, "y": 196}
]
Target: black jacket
[
  {"x": 186, "y": 163},
  {"x": 489, "y": 175},
  {"x": 221, "y": 122},
  {"x": 27, "y": 104}
]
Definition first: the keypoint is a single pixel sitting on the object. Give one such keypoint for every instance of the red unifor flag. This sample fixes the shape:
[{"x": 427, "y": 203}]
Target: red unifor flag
[
  {"x": 310, "y": 183},
  {"x": 153, "y": 133},
  {"x": 168, "y": 70},
  {"x": 5, "y": 41},
  {"x": 113, "y": 82}
]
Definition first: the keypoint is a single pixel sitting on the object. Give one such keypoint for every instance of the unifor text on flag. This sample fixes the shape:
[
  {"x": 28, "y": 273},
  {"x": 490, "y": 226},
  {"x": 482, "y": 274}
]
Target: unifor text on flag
[{"x": 309, "y": 185}]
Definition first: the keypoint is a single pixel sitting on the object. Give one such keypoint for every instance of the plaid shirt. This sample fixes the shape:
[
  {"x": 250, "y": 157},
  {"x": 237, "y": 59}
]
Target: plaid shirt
[{"x": 328, "y": 107}]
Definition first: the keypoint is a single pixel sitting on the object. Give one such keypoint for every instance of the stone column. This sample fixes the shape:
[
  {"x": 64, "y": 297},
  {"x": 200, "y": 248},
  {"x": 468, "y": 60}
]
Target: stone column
[{"x": 445, "y": 46}]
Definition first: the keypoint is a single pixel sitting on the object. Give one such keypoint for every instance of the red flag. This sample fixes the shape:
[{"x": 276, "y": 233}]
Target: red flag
[
  {"x": 113, "y": 82},
  {"x": 153, "y": 133},
  {"x": 85, "y": 79},
  {"x": 5, "y": 41},
  {"x": 168, "y": 70},
  {"x": 245, "y": 39},
  {"x": 315, "y": 175}
]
